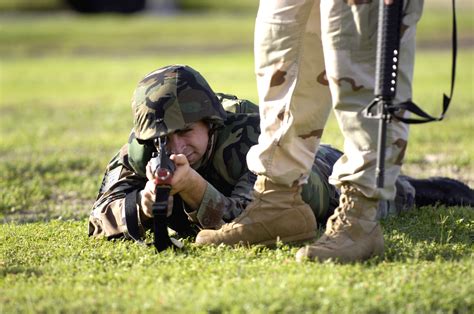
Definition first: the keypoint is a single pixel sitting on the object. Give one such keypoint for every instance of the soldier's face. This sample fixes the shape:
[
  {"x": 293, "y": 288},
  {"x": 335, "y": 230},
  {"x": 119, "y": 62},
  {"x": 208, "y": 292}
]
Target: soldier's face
[{"x": 191, "y": 141}]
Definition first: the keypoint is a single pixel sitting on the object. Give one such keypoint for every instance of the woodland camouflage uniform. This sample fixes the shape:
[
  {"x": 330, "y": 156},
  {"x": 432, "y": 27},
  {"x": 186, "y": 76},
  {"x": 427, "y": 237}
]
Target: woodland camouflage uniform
[
  {"x": 229, "y": 189},
  {"x": 116, "y": 211}
]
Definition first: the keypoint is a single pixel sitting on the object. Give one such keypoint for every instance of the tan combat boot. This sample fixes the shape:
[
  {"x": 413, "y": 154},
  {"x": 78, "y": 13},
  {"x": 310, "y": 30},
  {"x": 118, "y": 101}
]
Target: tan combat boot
[
  {"x": 276, "y": 213},
  {"x": 352, "y": 232}
]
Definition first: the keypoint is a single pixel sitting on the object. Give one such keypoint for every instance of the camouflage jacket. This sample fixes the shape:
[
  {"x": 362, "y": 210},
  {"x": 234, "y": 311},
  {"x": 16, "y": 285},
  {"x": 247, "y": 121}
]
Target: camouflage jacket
[{"x": 116, "y": 211}]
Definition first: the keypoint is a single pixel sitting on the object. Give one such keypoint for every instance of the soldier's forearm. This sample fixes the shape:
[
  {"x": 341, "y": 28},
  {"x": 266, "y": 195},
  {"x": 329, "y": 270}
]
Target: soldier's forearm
[{"x": 193, "y": 194}]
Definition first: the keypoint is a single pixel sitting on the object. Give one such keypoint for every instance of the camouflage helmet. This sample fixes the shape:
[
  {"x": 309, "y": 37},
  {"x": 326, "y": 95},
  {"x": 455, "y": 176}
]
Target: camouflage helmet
[{"x": 171, "y": 97}]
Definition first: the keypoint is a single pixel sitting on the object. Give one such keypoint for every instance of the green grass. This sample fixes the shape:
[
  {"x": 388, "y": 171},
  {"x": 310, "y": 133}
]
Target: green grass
[
  {"x": 65, "y": 89},
  {"x": 120, "y": 36},
  {"x": 54, "y": 267}
]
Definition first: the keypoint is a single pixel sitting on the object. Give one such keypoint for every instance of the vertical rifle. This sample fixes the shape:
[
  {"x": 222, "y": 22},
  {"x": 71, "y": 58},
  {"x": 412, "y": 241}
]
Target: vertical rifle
[
  {"x": 386, "y": 73},
  {"x": 163, "y": 169}
]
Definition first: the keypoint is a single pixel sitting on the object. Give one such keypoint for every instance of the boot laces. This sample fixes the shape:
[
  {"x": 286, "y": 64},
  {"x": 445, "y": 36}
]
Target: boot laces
[{"x": 339, "y": 220}]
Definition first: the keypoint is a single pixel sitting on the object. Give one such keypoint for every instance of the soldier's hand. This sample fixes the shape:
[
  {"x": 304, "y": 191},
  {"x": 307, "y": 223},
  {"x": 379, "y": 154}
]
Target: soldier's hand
[
  {"x": 148, "y": 198},
  {"x": 182, "y": 174},
  {"x": 148, "y": 195},
  {"x": 187, "y": 182}
]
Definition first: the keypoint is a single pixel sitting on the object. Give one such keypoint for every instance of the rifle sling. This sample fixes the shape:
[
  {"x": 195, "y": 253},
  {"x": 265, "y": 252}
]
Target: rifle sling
[
  {"x": 131, "y": 215},
  {"x": 162, "y": 239},
  {"x": 413, "y": 108}
]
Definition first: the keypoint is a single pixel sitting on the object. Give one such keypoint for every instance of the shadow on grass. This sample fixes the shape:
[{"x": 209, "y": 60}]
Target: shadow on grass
[
  {"x": 47, "y": 188},
  {"x": 46, "y": 214},
  {"x": 17, "y": 270}
]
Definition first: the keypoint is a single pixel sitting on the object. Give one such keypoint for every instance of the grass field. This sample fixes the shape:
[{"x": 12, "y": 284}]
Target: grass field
[{"x": 65, "y": 88}]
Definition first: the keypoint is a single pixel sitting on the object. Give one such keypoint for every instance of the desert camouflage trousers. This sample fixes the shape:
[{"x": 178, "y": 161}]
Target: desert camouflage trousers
[{"x": 301, "y": 48}]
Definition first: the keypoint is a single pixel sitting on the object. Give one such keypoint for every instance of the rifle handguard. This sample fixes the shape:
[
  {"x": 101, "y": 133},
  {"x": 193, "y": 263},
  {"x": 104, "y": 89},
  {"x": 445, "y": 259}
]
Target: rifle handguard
[
  {"x": 386, "y": 72},
  {"x": 388, "y": 49}
]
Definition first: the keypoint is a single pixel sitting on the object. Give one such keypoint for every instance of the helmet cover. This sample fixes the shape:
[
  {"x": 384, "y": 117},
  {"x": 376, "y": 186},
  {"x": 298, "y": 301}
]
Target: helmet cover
[{"x": 168, "y": 99}]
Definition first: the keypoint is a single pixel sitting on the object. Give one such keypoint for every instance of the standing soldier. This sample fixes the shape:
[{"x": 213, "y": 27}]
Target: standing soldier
[{"x": 292, "y": 79}]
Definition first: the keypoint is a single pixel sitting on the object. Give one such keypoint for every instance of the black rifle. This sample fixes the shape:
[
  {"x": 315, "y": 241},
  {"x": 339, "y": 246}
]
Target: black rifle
[
  {"x": 386, "y": 73},
  {"x": 163, "y": 169}
]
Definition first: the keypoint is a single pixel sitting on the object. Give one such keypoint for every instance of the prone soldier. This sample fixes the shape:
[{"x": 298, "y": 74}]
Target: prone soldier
[{"x": 208, "y": 136}]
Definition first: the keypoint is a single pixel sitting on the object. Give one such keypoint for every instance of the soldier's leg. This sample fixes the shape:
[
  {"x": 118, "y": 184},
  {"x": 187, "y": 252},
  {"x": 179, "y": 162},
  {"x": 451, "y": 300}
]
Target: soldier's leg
[
  {"x": 321, "y": 196},
  {"x": 349, "y": 39},
  {"x": 294, "y": 97},
  {"x": 404, "y": 199},
  {"x": 294, "y": 105}
]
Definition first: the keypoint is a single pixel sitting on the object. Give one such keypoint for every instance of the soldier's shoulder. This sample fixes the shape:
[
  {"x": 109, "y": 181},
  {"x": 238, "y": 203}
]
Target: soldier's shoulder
[
  {"x": 239, "y": 128},
  {"x": 232, "y": 103},
  {"x": 234, "y": 139},
  {"x": 137, "y": 154}
]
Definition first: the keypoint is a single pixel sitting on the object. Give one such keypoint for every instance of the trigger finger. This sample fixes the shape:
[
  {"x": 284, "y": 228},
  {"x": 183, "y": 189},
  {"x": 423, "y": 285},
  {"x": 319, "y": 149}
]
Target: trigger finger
[{"x": 179, "y": 159}]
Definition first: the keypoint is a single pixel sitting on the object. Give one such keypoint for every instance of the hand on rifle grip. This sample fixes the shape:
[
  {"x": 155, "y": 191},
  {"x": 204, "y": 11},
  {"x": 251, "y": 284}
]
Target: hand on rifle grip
[{"x": 148, "y": 195}]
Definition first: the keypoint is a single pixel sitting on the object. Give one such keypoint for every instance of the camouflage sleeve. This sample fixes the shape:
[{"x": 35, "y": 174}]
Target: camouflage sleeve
[
  {"x": 115, "y": 213},
  {"x": 216, "y": 208}
]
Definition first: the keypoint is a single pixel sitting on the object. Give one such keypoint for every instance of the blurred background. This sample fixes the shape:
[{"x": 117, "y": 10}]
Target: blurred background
[{"x": 126, "y": 6}]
